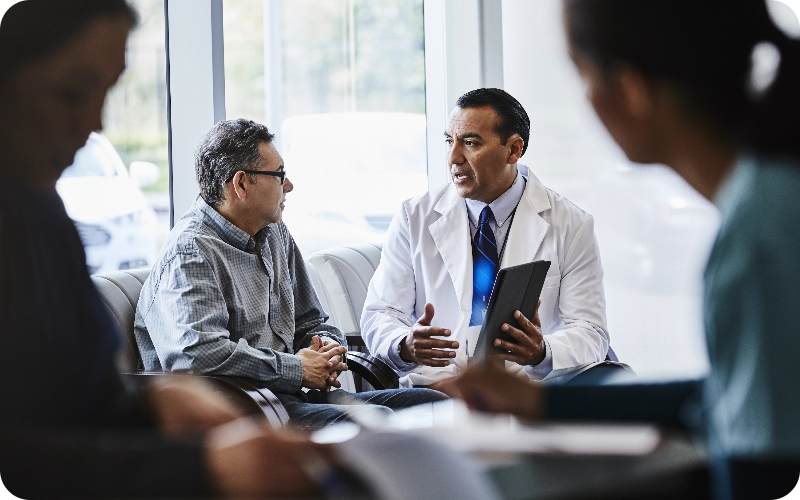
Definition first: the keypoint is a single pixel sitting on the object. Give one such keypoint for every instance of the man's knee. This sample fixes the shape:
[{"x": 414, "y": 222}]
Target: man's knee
[
  {"x": 430, "y": 395},
  {"x": 401, "y": 398}
]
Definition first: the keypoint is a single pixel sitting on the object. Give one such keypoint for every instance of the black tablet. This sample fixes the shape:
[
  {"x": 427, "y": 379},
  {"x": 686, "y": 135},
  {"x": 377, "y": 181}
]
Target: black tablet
[{"x": 516, "y": 288}]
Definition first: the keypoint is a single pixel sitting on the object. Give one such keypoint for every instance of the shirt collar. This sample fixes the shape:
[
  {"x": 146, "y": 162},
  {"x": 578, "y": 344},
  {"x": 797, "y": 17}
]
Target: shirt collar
[
  {"x": 503, "y": 205},
  {"x": 224, "y": 228}
]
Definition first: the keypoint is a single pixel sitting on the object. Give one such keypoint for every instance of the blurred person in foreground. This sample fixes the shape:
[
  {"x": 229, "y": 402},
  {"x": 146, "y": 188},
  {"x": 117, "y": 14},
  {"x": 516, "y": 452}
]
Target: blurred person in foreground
[
  {"x": 711, "y": 90},
  {"x": 68, "y": 425}
]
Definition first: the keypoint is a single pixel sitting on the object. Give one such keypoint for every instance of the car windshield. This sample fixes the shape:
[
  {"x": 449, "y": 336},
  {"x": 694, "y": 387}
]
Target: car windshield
[{"x": 91, "y": 160}]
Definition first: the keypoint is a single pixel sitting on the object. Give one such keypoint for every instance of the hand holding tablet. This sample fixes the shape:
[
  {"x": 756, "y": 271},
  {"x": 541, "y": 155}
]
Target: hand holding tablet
[{"x": 514, "y": 299}]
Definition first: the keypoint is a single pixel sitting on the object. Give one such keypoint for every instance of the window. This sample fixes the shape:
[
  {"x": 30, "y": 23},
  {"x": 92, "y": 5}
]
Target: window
[
  {"x": 117, "y": 191},
  {"x": 342, "y": 83}
]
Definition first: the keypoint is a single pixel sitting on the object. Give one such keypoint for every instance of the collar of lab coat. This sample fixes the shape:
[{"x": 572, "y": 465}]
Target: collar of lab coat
[{"x": 452, "y": 236}]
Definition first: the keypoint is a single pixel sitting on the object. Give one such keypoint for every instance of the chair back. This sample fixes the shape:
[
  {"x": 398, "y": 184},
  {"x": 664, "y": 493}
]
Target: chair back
[
  {"x": 341, "y": 277},
  {"x": 120, "y": 291}
]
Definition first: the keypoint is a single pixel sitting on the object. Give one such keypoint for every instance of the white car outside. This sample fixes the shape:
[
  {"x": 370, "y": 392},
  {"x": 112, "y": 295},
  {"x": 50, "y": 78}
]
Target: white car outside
[{"x": 117, "y": 226}]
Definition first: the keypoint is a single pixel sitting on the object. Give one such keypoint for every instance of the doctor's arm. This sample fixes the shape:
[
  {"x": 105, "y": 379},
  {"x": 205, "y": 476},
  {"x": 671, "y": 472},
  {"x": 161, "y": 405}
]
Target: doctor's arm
[
  {"x": 583, "y": 337},
  {"x": 388, "y": 323}
]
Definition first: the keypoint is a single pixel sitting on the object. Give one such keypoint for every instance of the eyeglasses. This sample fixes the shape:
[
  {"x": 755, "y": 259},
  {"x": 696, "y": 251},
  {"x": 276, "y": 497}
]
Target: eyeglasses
[{"x": 279, "y": 173}]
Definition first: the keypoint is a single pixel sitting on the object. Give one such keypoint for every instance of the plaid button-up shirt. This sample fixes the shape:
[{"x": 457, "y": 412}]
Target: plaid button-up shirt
[{"x": 220, "y": 302}]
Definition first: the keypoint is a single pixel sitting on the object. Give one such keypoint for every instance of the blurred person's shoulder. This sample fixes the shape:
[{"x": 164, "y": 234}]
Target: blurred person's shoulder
[
  {"x": 772, "y": 200},
  {"x": 764, "y": 209}
]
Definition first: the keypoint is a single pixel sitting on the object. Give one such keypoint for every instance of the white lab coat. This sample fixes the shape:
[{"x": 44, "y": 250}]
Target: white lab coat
[{"x": 427, "y": 257}]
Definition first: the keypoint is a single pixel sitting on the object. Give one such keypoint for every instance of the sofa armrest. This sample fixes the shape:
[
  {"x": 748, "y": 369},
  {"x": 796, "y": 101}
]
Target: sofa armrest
[{"x": 373, "y": 370}]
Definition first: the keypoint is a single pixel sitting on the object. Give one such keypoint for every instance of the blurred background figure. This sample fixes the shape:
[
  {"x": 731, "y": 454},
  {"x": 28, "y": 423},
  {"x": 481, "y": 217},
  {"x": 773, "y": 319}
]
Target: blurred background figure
[{"x": 709, "y": 89}]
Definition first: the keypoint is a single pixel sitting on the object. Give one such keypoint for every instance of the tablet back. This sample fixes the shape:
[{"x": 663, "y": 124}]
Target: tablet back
[{"x": 516, "y": 288}]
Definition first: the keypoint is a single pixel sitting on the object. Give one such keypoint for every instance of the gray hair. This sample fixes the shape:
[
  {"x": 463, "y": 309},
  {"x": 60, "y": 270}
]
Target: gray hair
[{"x": 230, "y": 146}]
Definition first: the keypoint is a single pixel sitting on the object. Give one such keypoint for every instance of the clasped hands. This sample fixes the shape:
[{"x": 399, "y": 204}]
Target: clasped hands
[
  {"x": 322, "y": 363},
  {"x": 421, "y": 348}
]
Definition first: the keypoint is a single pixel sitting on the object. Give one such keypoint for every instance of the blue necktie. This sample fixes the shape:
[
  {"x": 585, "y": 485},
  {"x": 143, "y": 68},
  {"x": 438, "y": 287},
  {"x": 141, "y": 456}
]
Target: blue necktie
[{"x": 484, "y": 267}]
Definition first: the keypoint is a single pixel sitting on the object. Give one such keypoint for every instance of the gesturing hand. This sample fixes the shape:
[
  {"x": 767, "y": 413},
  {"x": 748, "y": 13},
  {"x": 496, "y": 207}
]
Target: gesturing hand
[
  {"x": 530, "y": 347},
  {"x": 318, "y": 365},
  {"x": 418, "y": 346}
]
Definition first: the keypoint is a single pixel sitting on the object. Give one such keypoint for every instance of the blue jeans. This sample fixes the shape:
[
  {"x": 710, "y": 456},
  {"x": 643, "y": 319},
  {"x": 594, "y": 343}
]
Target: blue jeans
[{"x": 316, "y": 409}]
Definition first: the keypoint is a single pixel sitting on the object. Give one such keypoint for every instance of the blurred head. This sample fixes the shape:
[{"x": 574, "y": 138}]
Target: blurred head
[
  {"x": 694, "y": 59},
  {"x": 59, "y": 60},
  {"x": 486, "y": 134},
  {"x": 224, "y": 153}
]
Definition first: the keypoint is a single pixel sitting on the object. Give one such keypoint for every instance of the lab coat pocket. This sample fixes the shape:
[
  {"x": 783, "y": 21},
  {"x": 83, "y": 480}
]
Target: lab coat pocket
[{"x": 549, "y": 297}]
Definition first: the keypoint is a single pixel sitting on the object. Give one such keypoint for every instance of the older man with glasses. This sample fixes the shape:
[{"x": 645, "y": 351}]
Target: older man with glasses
[{"x": 230, "y": 294}]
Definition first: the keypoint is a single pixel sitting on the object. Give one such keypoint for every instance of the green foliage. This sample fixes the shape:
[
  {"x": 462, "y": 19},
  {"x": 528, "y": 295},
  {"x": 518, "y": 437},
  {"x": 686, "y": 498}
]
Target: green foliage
[
  {"x": 385, "y": 43},
  {"x": 377, "y": 64}
]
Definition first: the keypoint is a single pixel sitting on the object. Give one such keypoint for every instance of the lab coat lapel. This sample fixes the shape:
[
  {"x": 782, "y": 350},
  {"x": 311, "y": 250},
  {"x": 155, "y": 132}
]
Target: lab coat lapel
[
  {"x": 452, "y": 238},
  {"x": 528, "y": 228}
]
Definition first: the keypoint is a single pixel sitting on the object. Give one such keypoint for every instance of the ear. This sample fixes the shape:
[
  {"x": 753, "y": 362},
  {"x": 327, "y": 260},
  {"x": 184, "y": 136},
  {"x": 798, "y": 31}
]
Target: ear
[
  {"x": 240, "y": 183},
  {"x": 636, "y": 94},
  {"x": 515, "y": 145}
]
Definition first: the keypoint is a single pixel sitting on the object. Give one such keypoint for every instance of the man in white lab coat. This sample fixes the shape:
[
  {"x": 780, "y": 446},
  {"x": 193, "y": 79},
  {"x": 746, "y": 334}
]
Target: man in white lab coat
[{"x": 424, "y": 310}]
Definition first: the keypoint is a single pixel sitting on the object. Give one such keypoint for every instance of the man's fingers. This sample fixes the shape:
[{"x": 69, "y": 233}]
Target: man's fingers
[
  {"x": 431, "y": 331},
  {"x": 532, "y": 330},
  {"x": 432, "y": 362},
  {"x": 338, "y": 367},
  {"x": 523, "y": 338},
  {"x": 328, "y": 346},
  {"x": 536, "y": 320},
  {"x": 336, "y": 351},
  {"x": 512, "y": 347},
  {"x": 435, "y": 344},
  {"x": 428, "y": 316},
  {"x": 333, "y": 362},
  {"x": 434, "y": 353}
]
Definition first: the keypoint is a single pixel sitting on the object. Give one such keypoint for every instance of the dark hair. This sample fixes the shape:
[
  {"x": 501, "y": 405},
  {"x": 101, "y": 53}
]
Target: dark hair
[
  {"x": 513, "y": 118},
  {"x": 704, "y": 48},
  {"x": 34, "y": 29},
  {"x": 228, "y": 147}
]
